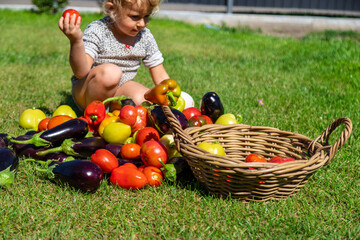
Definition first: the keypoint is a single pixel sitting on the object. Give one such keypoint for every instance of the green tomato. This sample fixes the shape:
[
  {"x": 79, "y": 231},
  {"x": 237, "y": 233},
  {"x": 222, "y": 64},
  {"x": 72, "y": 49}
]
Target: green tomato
[
  {"x": 214, "y": 148},
  {"x": 226, "y": 119},
  {"x": 116, "y": 133},
  {"x": 30, "y": 118},
  {"x": 65, "y": 110},
  {"x": 169, "y": 143},
  {"x": 180, "y": 104}
]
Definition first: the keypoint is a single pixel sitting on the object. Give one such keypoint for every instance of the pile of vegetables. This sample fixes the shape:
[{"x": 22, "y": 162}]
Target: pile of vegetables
[{"x": 131, "y": 146}]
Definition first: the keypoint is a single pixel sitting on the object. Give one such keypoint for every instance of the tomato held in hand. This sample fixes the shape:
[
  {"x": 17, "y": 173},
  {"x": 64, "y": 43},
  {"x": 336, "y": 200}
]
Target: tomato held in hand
[
  {"x": 130, "y": 151},
  {"x": 153, "y": 153},
  {"x": 128, "y": 177},
  {"x": 153, "y": 175},
  {"x": 105, "y": 160},
  {"x": 71, "y": 12}
]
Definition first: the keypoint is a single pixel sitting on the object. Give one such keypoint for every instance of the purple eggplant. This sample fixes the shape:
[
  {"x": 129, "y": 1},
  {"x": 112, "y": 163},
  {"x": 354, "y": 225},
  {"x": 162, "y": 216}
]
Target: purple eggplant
[
  {"x": 77, "y": 147},
  {"x": 127, "y": 101},
  {"x": 8, "y": 166},
  {"x": 18, "y": 147},
  {"x": 74, "y": 128},
  {"x": 114, "y": 149},
  {"x": 4, "y": 142},
  {"x": 30, "y": 151},
  {"x": 58, "y": 156},
  {"x": 211, "y": 106},
  {"x": 159, "y": 120},
  {"x": 82, "y": 175}
]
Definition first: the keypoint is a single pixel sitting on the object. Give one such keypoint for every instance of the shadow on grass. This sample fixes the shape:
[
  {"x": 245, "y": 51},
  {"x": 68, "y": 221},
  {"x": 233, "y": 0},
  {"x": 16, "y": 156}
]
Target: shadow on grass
[{"x": 68, "y": 100}]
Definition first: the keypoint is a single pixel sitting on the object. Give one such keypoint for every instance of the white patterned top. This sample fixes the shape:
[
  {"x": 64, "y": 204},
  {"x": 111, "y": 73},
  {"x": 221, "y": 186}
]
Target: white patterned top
[{"x": 101, "y": 44}]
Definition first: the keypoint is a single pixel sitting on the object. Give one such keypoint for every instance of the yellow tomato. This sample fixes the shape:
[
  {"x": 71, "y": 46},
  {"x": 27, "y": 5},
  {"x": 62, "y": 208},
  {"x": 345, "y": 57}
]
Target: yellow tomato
[
  {"x": 169, "y": 143},
  {"x": 214, "y": 148},
  {"x": 226, "y": 119},
  {"x": 106, "y": 122},
  {"x": 65, "y": 110},
  {"x": 116, "y": 132},
  {"x": 30, "y": 118}
]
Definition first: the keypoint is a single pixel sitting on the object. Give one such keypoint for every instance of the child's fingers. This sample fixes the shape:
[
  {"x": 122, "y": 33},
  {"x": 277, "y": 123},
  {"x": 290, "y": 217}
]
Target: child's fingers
[
  {"x": 61, "y": 23},
  {"x": 78, "y": 21}
]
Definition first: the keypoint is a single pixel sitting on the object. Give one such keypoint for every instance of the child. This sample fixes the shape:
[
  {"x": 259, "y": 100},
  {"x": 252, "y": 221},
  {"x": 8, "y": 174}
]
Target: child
[{"x": 106, "y": 57}]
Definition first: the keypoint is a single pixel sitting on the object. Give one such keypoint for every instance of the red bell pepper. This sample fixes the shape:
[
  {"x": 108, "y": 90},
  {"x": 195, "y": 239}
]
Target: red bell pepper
[{"x": 95, "y": 113}]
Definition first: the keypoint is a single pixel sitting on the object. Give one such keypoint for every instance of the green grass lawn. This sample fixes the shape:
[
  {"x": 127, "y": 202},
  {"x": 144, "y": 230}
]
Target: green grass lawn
[{"x": 305, "y": 85}]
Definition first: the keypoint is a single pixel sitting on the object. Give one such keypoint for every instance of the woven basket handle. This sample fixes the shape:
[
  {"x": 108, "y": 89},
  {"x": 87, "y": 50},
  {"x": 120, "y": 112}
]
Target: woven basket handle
[
  {"x": 178, "y": 132},
  {"x": 324, "y": 137}
]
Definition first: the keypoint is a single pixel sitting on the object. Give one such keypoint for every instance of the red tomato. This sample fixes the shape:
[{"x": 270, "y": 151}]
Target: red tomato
[
  {"x": 43, "y": 124},
  {"x": 281, "y": 159},
  {"x": 208, "y": 119},
  {"x": 128, "y": 115},
  {"x": 129, "y": 164},
  {"x": 130, "y": 151},
  {"x": 197, "y": 121},
  {"x": 153, "y": 151},
  {"x": 136, "y": 117},
  {"x": 255, "y": 158},
  {"x": 57, "y": 120},
  {"x": 105, "y": 160},
  {"x": 190, "y": 112},
  {"x": 128, "y": 178},
  {"x": 147, "y": 134},
  {"x": 153, "y": 175},
  {"x": 71, "y": 13}
]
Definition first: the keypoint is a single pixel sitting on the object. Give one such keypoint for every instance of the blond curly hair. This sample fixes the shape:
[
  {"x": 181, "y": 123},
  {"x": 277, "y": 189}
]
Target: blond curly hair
[{"x": 151, "y": 6}]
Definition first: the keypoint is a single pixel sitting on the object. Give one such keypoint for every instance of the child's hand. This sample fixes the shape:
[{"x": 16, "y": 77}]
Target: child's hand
[{"x": 71, "y": 29}]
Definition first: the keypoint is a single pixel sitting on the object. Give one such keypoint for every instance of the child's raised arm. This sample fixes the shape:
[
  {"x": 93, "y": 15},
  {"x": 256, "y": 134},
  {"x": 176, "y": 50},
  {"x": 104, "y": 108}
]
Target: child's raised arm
[
  {"x": 158, "y": 73},
  {"x": 80, "y": 62}
]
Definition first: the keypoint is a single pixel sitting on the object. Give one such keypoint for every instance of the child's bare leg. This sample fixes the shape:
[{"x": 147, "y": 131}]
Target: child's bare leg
[
  {"x": 134, "y": 90},
  {"x": 101, "y": 83}
]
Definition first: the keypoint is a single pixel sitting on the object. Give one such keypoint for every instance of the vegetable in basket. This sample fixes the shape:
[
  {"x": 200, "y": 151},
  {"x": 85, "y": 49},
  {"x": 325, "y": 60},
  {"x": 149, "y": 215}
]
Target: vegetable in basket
[
  {"x": 8, "y": 166},
  {"x": 214, "y": 148},
  {"x": 165, "y": 93},
  {"x": 211, "y": 106},
  {"x": 74, "y": 128},
  {"x": 161, "y": 123}
]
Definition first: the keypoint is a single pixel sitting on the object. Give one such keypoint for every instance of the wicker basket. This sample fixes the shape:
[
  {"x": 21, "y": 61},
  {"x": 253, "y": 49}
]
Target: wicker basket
[{"x": 230, "y": 176}]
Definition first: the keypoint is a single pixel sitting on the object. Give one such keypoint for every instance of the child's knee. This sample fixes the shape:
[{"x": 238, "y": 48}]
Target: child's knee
[{"x": 109, "y": 75}]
